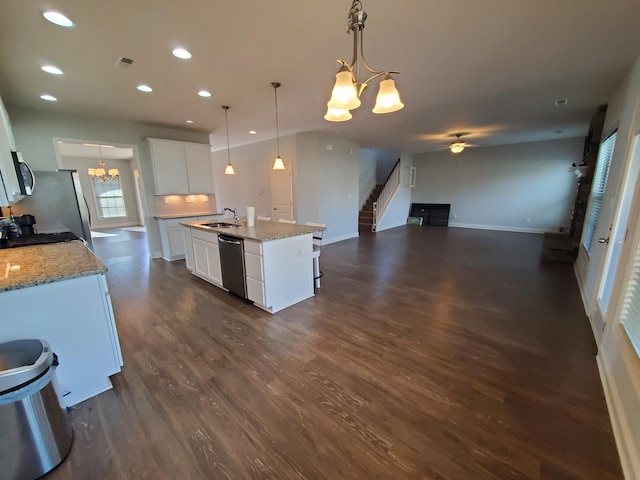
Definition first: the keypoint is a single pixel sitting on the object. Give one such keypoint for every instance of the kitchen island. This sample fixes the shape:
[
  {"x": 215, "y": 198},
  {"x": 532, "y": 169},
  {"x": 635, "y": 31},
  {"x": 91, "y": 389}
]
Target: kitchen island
[
  {"x": 277, "y": 262},
  {"x": 58, "y": 292}
]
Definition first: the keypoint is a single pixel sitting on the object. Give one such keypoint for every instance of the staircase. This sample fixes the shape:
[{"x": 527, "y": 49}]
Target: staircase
[{"x": 365, "y": 217}]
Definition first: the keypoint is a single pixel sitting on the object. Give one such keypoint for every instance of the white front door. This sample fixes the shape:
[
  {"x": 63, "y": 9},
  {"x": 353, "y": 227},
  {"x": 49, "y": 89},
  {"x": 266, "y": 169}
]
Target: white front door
[{"x": 282, "y": 193}]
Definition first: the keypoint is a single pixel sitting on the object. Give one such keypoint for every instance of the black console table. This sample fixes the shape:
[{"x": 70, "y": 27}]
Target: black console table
[{"x": 436, "y": 214}]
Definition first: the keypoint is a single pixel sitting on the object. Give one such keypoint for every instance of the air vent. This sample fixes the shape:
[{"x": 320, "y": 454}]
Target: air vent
[
  {"x": 123, "y": 62},
  {"x": 563, "y": 102}
]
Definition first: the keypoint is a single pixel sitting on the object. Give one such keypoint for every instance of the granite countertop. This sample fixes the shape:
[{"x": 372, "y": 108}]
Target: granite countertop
[
  {"x": 30, "y": 266},
  {"x": 187, "y": 215},
  {"x": 262, "y": 231}
]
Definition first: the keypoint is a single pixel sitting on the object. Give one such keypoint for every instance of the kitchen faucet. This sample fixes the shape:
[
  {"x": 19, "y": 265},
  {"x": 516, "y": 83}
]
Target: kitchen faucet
[{"x": 235, "y": 214}]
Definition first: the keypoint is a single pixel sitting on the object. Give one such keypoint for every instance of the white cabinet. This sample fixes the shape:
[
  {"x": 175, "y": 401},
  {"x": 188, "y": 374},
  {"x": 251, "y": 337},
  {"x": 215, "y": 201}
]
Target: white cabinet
[
  {"x": 206, "y": 256},
  {"x": 255, "y": 272},
  {"x": 9, "y": 189},
  {"x": 181, "y": 168},
  {"x": 172, "y": 238},
  {"x": 76, "y": 317},
  {"x": 188, "y": 249}
]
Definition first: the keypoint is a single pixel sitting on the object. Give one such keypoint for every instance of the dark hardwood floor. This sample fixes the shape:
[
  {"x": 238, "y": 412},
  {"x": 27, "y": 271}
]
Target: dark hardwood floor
[{"x": 428, "y": 353}]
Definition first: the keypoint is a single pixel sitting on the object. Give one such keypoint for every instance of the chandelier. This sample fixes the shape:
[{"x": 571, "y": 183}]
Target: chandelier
[
  {"x": 101, "y": 174},
  {"x": 346, "y": 92}
]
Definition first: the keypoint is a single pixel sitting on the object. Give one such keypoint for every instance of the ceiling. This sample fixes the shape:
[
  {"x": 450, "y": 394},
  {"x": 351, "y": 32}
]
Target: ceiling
[{"x": 492, "y": 68}]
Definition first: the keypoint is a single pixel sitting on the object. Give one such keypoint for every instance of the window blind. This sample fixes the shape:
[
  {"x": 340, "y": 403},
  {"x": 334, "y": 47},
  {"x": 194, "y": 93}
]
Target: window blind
[
  {"x": 597, "y": 190},
  {"x": 630, "y": 316}
]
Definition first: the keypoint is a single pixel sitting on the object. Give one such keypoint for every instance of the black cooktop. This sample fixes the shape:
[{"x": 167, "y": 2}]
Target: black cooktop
[{"x": 41, "y": 239}]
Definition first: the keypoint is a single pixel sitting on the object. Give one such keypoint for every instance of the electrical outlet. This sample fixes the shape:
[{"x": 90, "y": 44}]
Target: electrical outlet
[
  {"x": 455, "y": 216},
  {"x": 166, "y": 200}
]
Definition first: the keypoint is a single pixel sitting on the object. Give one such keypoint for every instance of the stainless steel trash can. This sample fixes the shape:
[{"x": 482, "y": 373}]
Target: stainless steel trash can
[{"x": 35, "y": 432}]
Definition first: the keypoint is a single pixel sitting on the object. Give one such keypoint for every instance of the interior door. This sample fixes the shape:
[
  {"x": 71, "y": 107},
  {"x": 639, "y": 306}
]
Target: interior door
[
  {"x": 282, "y": 193},
  {"x": 618, "y": 231}
]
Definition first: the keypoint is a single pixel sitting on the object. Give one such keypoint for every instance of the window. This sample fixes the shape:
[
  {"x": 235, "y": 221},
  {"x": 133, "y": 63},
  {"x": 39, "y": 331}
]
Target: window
[
  {"x": 109, "y": 199},
  {"x": 597, "y": 190},
  {"x": 630, "y": 316}
]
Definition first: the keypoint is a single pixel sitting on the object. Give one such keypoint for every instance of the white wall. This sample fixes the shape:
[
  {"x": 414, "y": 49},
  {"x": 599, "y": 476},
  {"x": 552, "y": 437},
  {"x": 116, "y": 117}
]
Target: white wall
[
  {"x": 325, "y": 182},
  {"x": 499, "y": 188},
  {"x": 34, "y": 131},
  {"x": 618, "y": 363},
  {"x": 367, "y": 179},
  {"x": 126, "y": 182},
  {"x": 398, "y": 209}
]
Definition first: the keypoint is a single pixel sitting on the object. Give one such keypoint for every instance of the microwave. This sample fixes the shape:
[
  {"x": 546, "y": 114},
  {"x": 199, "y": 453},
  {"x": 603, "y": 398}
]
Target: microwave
[{"x": 26, "y": 179}]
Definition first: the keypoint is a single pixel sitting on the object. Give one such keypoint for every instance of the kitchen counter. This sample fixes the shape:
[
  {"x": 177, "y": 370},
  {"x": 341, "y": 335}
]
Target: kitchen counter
[
  {"x": 30, "y": 266},
  {"x": 262, "y": 231},
  {"x": 188, "y": 215}
]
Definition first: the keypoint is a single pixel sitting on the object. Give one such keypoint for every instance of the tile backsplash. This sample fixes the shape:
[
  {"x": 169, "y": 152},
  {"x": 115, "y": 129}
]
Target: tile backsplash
[{"x": 187, "y": 204}]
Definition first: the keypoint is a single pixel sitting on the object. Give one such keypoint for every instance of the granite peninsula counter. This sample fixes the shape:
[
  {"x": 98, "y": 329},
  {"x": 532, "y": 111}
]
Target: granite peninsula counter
[
  {"x": 278, "y": 259},
  {"x": 58, "y": 292}
]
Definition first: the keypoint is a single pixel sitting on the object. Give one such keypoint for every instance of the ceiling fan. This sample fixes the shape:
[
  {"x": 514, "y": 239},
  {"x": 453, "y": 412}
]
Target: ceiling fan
[{"x": 458, "y": 145}]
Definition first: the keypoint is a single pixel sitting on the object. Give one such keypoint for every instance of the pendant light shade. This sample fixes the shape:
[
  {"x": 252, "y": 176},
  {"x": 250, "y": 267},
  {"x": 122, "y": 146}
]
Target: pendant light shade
[
  {"x": 277, "y": 163},
  {"x": 337, "y": 115},
  {"x": 344, "y": 95},
  {"x": 388, "y": 99},
  {"x": 229, "y": 168}
]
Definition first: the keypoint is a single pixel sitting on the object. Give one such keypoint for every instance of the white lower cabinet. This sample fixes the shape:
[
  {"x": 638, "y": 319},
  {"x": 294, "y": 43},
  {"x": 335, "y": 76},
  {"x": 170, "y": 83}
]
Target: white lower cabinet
[
  {"x": 188, "y": 249},
  {"x": 206, "y": 257},
  {"x": 76, "y": 317},
  {"x": 172, "y": 236},
  {"x": 255, "y": 272}
]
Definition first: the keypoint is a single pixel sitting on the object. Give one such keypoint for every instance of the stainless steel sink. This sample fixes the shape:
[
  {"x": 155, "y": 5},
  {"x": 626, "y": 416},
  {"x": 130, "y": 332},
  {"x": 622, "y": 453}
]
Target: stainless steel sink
[{"x": 218, "y": 225}]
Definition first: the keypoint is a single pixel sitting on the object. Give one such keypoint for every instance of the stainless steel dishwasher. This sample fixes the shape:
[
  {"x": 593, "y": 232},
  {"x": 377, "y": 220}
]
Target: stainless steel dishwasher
[{"x": 232, "y": 264}]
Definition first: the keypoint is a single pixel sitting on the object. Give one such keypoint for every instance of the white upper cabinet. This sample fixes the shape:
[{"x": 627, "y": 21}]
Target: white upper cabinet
[
  {"x": 181, "y": 168},
  {"x": 9, "y": 189}
]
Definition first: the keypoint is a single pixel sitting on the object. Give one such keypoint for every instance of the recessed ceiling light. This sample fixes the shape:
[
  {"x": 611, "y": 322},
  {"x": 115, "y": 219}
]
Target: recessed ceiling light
[
  {"x": 145, "y": 88},
  {"x": 252, "y": 132},
  {"x": 204, "y": 93},
  {"x": 51, "y": 69},
  {"x": 181, "y": 53},
  {"x": 48, "y": 98},
  {"x": 59, "y": 19},
  {"x": 188, "y": 121}
]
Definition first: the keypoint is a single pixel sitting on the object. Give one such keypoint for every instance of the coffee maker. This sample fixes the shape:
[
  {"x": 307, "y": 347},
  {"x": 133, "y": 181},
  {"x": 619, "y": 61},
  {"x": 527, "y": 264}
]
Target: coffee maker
[{"x": 26, "y": 223}]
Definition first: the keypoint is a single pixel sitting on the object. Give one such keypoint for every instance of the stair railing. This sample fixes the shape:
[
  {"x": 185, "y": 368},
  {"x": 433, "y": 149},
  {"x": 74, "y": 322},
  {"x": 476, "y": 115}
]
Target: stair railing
[{"x": 389, "y": 189}]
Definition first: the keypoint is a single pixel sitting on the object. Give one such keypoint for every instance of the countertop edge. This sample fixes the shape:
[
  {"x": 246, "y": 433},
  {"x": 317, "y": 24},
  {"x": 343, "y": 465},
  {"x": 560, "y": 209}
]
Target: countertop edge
[{"x": 261, "y": 235}]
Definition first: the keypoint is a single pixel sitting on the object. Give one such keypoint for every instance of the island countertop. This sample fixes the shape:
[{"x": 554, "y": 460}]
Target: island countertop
[
  {"x": 187, "y": 215},
  {"x": 33, "y": 265},
  {"x": 262, "y": 231}
]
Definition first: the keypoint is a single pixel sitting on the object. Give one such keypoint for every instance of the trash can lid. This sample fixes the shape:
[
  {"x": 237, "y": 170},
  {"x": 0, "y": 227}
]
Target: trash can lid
[{"x": 22, "y": 361}]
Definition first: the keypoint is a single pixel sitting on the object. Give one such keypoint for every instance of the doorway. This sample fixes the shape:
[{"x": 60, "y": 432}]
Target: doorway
[{"x": 121, "y": 204}]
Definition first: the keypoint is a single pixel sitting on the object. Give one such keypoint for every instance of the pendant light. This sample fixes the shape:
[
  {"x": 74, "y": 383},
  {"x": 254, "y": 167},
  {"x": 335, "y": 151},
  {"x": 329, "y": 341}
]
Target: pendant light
[
  {"x": 346, "y": 92},
  {"x": 229, "y": 169},
  {"x": 277, "y": 164}
]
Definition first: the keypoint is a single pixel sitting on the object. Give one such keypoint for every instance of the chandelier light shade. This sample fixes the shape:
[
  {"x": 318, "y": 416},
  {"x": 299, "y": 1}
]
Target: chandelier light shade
[
  {"x": 229, "y": 168},
  {"x": 457, "y": 146},
  {"x": 348, "y": 88},
  {"x": 277, "y": 163},
  {"x": 101, "y": 174}
]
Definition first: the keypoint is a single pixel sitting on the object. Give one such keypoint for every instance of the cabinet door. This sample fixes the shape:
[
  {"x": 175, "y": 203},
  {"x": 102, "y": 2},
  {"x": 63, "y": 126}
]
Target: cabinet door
[
  {"x": 188, "y": 248},
  {"x": 201, "y": 264},
  {"x": 169, "y": 167},
  {"x": 176, "y": 242},
  {"x": 198, "y": 163},
  {"x": 213, "y": 259}
]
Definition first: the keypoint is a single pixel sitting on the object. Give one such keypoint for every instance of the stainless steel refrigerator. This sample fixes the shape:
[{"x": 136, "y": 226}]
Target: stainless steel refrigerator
[{"x": 58, "y": 204}]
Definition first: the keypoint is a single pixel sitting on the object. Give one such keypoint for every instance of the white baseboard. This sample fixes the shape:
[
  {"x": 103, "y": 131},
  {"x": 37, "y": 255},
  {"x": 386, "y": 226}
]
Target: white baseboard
[
  {"x": 328, "y": 240},
  {"x": 387, "y": 227},
  {"x": 500, "y": 228},
  {"x": 629, "y": 457}
]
